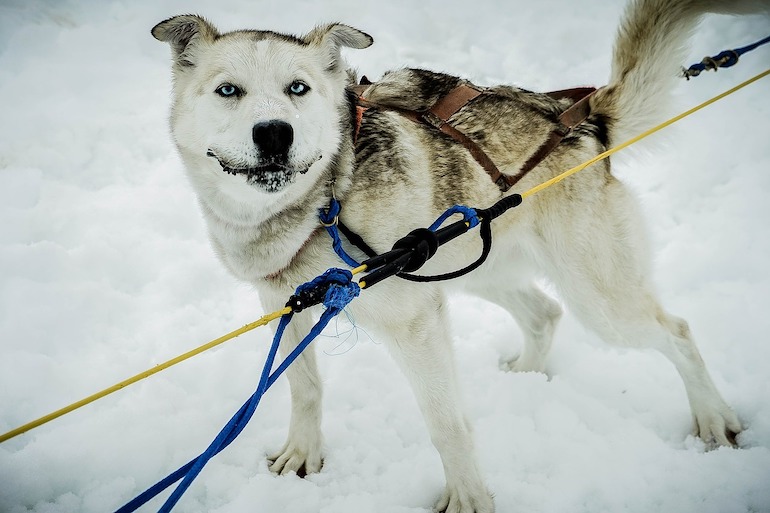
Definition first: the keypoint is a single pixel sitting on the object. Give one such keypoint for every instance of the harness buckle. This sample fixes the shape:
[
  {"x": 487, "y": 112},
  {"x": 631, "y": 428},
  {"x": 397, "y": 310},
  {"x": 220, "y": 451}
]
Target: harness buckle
[
  {"x": 563, "y": 130},
  {"x": 502, "y": 183},
  {"x": 432, "y": 119}
]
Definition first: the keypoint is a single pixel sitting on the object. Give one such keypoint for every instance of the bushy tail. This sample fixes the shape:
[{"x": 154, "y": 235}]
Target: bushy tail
[{"x": 650, "y": 48}]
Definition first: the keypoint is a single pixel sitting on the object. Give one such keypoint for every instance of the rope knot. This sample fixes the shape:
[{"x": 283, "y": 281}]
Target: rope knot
[
  {"x": 726, "y": 58},
  {"x": 723, "y": 59},
  {"x": 335, "y": 289}
]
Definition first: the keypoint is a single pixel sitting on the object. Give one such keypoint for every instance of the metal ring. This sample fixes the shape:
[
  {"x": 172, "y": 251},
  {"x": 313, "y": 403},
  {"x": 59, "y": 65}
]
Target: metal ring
[{"x": 333, "y": 223}]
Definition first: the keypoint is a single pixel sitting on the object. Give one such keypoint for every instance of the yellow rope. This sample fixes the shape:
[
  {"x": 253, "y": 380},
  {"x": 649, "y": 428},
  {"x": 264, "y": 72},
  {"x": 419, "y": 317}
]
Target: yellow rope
[
  {"x": 275, "y": 315},
  {"x": 639, "y": 137},
  {"x": 130, "y": 381},
  {"x": 163, "y": 366}
]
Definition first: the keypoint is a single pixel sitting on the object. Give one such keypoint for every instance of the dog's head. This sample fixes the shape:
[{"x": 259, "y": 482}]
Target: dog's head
[{"x": 257, "y": 107}]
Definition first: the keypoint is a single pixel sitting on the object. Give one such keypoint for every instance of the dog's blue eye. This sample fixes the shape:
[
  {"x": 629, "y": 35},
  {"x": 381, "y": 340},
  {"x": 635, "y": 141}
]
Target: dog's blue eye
[
  {"x": 298, "y": 88},
  {"x": 228, "y": 90}
]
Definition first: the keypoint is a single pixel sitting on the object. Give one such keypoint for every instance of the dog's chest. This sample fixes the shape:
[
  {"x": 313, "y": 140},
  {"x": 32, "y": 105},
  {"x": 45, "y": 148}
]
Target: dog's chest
[{"x": 253, "y": 252}]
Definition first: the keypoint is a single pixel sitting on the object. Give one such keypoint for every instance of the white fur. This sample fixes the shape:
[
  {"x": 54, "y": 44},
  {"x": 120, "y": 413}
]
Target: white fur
[{"x": 585, "y": 234}]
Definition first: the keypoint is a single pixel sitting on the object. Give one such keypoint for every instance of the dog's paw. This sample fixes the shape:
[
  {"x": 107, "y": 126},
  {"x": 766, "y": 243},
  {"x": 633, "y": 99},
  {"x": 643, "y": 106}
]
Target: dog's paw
[
  {"x": 521, "y": 364},
  {"x": 463, "y": 500},
  {"x": 717, "y": 428},
  {"x": 294, "y": 458}
]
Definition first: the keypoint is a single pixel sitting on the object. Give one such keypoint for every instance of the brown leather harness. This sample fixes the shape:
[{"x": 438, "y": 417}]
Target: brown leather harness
[{"x": 438, "y": 116}]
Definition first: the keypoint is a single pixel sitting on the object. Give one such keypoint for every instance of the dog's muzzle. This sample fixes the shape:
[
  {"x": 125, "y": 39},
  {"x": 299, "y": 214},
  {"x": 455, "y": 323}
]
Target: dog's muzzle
[
  {"x": 272, "y": 170},
  {"x": 270, "y": 176}
]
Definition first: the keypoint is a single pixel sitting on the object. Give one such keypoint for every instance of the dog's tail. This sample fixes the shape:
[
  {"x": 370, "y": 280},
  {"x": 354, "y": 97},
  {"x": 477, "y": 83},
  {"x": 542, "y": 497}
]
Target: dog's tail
[{"x": 650, "y": 48}]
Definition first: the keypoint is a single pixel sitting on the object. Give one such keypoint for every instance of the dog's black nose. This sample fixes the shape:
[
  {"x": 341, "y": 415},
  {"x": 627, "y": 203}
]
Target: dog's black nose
[{"x": 273, "y": 138}]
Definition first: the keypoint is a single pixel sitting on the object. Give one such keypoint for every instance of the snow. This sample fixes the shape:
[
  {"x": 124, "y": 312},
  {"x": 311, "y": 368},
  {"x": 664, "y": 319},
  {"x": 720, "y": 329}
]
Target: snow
[{"x": 106, "y": 271}]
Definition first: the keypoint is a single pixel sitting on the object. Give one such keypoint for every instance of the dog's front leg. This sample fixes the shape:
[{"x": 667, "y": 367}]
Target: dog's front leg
[
  {"x": 423, "y": 349},
  {"x": 302, "y": 451}
]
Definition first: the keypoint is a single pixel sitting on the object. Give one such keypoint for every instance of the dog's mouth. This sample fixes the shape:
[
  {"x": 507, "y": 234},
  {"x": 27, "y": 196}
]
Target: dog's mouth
[{"x": 271, "y": 176}]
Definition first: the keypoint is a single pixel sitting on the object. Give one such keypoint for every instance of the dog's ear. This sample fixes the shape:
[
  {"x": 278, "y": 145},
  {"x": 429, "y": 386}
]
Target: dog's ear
[
  {"x": 184, "y": 33},
  {"x": 336, "y": 35}
]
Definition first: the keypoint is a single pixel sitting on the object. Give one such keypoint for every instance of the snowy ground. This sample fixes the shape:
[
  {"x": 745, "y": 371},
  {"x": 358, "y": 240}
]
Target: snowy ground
[{"x": 105, "y": 270}]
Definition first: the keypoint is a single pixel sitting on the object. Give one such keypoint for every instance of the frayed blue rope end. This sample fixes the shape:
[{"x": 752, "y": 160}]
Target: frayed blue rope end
[{"x": 339, "y": 296}]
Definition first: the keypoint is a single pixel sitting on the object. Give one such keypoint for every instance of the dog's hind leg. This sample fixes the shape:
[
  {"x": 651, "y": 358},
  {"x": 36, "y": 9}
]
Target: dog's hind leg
[
  {"x": 634, "y": 318},
  {"x": 713, "y": 420},
  {"x": 597, "y": 259},
  {"x": 535, "y": 312}
]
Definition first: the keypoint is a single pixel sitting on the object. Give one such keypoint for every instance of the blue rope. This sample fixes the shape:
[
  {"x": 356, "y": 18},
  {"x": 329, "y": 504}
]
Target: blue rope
[
  {"x": 341, "y": 291},
  {"x": 724, "y": 59},
  {"x": 469, "y": 216},
  {"x": 329, "y": 218}
]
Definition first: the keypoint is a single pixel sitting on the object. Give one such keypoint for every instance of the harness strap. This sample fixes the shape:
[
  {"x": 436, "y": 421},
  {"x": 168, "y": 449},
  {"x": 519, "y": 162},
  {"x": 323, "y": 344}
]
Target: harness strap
[
  {"x": 360, "y": 109},
  {"x": 568, "y": 120},
  {"x": 439, "y": 114},
  {"x": 446, "y": 107},
  {"x": 575, "y": 93}
]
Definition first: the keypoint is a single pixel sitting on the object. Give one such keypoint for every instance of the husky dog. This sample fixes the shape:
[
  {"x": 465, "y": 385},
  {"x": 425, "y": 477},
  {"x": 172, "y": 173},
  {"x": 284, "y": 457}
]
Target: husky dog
[{"x": 265, "y": 123}]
